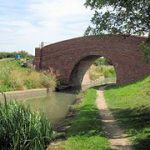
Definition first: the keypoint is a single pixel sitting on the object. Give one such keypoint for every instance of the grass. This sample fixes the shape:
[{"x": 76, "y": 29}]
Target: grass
[
  {"x": 85, "y": 132},
  {"x": 131, "y": 107},
  {"x": 14, "y": 77},
  {"x": 95, "y": 72},
  {"x": 22, "y": 129}
]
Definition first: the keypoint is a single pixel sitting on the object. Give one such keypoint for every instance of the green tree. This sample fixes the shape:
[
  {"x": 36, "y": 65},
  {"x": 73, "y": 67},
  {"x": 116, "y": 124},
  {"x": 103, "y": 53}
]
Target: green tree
[
  {"x": 123, "y": 17},
  {"x": 119, "y": 17},
  {"x": 24, "y": 54}
]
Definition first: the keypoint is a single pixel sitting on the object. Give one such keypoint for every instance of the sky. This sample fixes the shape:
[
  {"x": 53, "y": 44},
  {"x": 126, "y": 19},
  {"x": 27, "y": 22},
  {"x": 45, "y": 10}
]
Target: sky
[{"x": 24, "y": 24}]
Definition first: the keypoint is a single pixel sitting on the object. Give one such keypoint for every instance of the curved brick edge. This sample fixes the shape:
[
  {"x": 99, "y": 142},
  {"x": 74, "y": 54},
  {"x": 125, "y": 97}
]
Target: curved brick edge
[{"x": 71, "y": 58}]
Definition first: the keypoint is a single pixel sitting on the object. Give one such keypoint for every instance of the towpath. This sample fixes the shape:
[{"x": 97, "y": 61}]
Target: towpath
[{"x": 113, "y": 132}]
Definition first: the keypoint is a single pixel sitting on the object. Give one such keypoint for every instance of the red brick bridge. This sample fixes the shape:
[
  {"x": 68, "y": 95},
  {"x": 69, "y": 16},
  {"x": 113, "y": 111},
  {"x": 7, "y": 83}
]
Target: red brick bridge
[{"x": 70, "y": 59}]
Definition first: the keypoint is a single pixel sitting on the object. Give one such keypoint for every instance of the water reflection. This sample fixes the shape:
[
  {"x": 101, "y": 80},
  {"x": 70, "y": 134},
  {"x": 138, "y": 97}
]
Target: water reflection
[{"x": 55, "y": 105}]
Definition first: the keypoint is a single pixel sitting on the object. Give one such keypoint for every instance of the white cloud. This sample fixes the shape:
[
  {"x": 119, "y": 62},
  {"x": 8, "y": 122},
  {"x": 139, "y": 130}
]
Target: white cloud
[
  {"x": 43, "y": 20},
  {"x": 58, "y": 8}
]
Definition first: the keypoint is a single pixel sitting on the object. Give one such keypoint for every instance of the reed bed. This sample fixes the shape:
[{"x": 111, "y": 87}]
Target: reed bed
[
  {"x": 14, "y": 77},
  {"x": 21, "y": 129}
]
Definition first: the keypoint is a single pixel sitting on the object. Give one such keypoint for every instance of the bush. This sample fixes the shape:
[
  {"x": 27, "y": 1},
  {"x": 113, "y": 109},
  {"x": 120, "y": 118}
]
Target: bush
[
  {"x": 22, "y": 129},
  {"x": 23, "y": 54},
  {"x": 106, "y": 71},
  {"x": 32, "y": 80},
  {"x": 7, "y": 55},
  {"x": 101, "y": 61},
  {"x": 14, "y": 77},
  {"x": 16, "y": 80},
  {"x": 48, "y": 81},
  {"x": 5, "y": 78}
]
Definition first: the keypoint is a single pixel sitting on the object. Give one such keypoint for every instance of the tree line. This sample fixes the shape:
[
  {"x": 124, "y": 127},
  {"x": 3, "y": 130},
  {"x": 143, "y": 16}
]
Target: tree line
[{"x": 23, "y": 54}]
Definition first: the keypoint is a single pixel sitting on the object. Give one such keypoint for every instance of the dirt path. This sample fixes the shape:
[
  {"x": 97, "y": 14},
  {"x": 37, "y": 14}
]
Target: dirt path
[{"x": 117, "y": 138}]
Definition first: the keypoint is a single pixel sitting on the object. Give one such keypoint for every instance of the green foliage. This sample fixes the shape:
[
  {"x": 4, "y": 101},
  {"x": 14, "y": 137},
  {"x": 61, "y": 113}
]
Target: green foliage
[
  {"x": 48, "y": 80},
  {"x": 119, "y": 17},
  {"x": 95, "y": 72},
  {"x": 131, "y": 107},
  {"x": 7, "y": 55},
  {"x": 86, "y": 127},
  {"x": 109, "y": 71},
  {"x": 6, "y": 79},
  {"x": 101, "y": 61},
  {"x": 106, "y": 71},
  {"x": 145, "y": 49},
  {"x": 14, "y": 77},
  {"x": 23, "y": 54},
  {"x": 32, "y": 79},
  {"x": 22, "y": 129}
]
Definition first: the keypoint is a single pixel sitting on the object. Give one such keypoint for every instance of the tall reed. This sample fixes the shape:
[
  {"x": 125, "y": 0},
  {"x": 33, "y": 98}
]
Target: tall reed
[
  {"x": 21, "y": 129},
  {"x": 14, "y": 77}
]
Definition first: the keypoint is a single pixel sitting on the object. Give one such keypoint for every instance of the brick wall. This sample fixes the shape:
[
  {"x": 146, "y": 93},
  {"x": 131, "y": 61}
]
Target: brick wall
[{"x": 65, "y": 57}]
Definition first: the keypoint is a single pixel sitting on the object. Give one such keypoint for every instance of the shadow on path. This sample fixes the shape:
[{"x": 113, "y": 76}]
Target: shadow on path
[{"x": 116, "y": 136}]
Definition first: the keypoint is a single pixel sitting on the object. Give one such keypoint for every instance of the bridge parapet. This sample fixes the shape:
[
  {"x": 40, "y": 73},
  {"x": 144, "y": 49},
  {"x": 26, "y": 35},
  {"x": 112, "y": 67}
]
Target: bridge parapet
[{"x": 72, "y": 58}]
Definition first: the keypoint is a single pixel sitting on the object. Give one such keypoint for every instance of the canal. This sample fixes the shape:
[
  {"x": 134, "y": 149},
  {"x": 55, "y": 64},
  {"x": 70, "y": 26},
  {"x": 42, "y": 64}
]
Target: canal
[{"x": 55, "y": 105}]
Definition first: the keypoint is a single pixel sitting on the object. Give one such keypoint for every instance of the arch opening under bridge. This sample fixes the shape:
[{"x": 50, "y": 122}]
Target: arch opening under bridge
[{"x": 71, "y": 58}]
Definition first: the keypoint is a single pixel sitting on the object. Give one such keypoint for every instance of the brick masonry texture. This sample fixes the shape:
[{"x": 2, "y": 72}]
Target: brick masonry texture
[{"x": 65, "y": 57}]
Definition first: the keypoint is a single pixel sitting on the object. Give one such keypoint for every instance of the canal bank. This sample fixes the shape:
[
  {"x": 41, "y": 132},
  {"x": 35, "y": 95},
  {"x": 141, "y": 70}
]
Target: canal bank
[
  {"x": 82, "y": 127},
  {"x": 55, "y": 105},
  {"x": 22, "y": 95}
]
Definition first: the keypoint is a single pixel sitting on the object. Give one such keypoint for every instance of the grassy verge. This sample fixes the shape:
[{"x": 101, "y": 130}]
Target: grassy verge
[
  {"x": 21, "y": 129},
  {"x": 14, "y": 77},
  {"x": 106, "y": 71},
  {"x": 85, "y": 132},
  {"x": 131, "y": 107}
]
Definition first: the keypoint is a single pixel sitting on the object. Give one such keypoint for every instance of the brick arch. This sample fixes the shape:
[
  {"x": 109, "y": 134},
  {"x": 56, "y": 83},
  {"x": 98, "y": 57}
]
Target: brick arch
[
  {"x": 82, "y": 66},
  {"x": 64, "y": 57}
]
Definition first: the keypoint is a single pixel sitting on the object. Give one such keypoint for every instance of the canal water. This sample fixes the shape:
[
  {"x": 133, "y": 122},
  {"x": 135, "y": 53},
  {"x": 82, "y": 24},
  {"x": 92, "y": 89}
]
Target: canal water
[{"x": 55, "y": 105}]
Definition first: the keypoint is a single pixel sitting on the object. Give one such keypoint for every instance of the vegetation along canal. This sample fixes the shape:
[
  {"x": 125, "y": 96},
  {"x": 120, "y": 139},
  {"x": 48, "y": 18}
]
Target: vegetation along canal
[{"x": 55, "y": 105}]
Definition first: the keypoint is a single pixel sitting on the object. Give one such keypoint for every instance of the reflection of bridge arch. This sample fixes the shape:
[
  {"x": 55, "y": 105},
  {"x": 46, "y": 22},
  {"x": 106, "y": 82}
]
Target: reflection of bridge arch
[{"x": 71, "y": 58}]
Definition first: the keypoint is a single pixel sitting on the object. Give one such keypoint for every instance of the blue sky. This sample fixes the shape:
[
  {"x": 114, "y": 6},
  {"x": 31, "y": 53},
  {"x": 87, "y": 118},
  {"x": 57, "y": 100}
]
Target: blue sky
[{"x": 25, "y": 23}]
